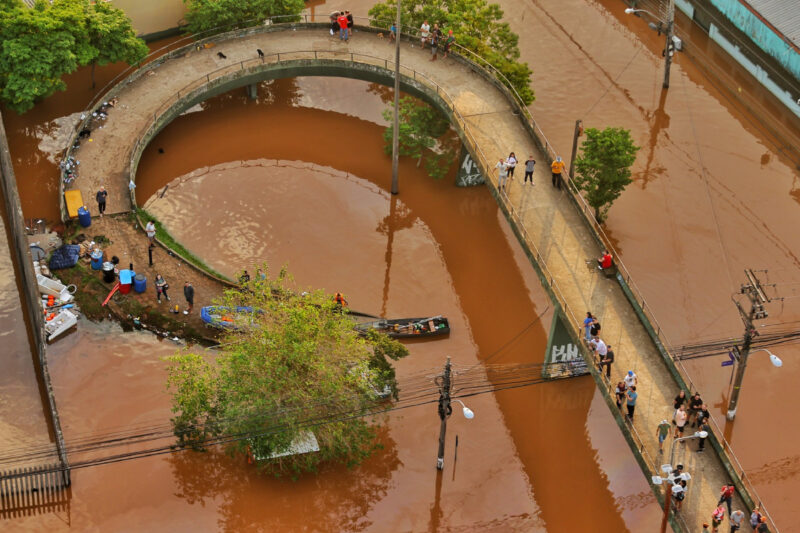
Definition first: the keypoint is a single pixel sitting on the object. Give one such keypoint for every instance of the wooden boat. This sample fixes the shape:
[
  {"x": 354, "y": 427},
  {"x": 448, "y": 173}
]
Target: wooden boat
[
  {"x": 60, "y": 324},
  {"x": 408, "y": 328}
]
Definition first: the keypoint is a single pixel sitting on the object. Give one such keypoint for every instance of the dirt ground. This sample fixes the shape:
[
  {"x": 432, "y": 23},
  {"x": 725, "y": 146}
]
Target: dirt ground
[{"x": 130, "y": 244}]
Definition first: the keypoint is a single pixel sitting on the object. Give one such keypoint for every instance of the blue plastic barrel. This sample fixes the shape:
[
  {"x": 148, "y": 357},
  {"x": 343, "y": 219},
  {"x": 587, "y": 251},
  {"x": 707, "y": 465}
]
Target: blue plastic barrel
[
  {"x": 84, "y": 217},
  {"x": 139, "y": 283},
  {"x": 97, "y": 260}
]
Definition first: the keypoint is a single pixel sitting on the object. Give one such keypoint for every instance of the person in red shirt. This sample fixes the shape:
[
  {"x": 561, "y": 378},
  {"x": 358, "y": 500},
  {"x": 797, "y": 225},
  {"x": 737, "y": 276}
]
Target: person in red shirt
[
  {"x": 605, "y": 261},
  {"x": 344, "y": 34}
]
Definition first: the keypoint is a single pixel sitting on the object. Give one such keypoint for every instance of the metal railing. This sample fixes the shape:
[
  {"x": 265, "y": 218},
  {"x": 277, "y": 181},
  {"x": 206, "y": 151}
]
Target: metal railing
[{"x": 481, "y": 159}]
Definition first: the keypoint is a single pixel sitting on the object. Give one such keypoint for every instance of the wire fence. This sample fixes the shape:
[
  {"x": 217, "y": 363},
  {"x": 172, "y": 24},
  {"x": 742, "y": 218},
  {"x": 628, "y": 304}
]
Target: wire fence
[{"x": 197, "y": 86}]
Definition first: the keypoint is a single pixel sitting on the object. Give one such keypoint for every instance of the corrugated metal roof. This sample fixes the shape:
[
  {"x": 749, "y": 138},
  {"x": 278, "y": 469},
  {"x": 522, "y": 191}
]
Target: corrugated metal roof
[{"x": 783, "y": 14}]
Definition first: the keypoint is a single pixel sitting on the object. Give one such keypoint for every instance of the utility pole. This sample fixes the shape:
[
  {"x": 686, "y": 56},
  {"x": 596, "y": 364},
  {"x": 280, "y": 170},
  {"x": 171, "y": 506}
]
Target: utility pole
[
  {"x": 578, "y": 133},
  {"x": 445, "y": 410},
  {"x": 668, "y": 46},
  {"x": 754, "y": 291},
  {"x": 396, "y": 128}
]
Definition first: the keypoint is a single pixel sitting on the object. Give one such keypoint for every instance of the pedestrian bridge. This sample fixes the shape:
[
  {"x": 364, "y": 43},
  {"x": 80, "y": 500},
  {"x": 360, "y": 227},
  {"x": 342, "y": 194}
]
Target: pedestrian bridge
[{"x": 554, "y": 226}]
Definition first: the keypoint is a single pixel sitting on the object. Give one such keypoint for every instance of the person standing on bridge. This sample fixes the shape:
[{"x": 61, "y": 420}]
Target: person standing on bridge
[
  {"x": 436, "y": 39},
  {"x": 557, "y": 168},
  {"x": 424, "y": 33},
  {"x": 631, "y": 404},
  {"x": 101, "y": 196},
  {"x": 736, "y": 518},
  {"x": 529, "y": 164},
  {"x": 188, "y": 293},
  {"x": 662, "y": 431},
  {"x": 502, "y": 174},
  {"x": 448, "y": 42},
  {"x": 343, "y": 33},
  {"x": 726, "y": 496},
  {"x": 587, "y": 326},
  {"x": 512, "y": 164},
  {"x": 607, "y": 361},
  {"x": 631, "y": 379},
  {"x": 620, "y": 392},
  {"x": 680, "y": 421},
  {"x": 349, "y": 22}
]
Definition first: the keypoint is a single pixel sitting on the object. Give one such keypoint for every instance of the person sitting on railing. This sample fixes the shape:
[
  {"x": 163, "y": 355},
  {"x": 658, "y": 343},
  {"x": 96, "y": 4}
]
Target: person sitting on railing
[{"x": 606, "y": 261}]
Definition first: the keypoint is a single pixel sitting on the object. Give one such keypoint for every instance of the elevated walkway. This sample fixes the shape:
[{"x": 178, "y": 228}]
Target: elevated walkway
[{"x": 549, "y": 222}]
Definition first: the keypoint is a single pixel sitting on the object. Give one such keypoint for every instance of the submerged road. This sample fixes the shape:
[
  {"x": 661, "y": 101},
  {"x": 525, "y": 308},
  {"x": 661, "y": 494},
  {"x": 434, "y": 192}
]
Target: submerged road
[{"x": 550, "y": 221}]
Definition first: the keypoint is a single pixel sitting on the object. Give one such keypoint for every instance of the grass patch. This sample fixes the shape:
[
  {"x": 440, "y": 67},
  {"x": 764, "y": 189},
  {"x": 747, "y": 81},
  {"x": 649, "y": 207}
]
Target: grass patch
[{"x": 169, "y": 241}]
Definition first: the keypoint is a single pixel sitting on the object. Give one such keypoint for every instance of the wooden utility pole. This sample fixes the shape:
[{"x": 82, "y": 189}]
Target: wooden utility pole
[
  {"x": 578, "y": 133},
  {"x": 754, "y": 290},
  {"x": 445, "y": 410},
  {"x": 396, "y": 128}
]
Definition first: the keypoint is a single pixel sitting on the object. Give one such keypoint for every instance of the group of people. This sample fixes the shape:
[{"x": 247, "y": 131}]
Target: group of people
[
  {"x": 435, "y": 38},
  {"x": 505, "y": 170},
  {"x": 758, "y": 522},
  {"x": 625, "y": 389},
  {"x": 342, "y": 22}
]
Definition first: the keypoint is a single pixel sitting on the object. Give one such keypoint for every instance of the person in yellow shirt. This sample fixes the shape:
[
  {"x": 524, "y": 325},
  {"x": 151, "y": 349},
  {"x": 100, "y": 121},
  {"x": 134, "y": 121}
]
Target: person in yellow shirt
[{"x": 557, "y": 168}]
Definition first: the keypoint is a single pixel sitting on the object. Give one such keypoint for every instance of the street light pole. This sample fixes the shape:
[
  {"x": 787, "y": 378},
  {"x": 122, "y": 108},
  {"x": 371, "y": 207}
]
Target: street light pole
[
  {"x": 396, "y": 128},
  {"x": 667, "y": 46}
]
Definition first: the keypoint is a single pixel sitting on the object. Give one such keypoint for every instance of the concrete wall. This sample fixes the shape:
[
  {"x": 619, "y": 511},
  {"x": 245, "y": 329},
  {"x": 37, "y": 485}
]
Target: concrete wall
[{"x": 153, "y": 18}]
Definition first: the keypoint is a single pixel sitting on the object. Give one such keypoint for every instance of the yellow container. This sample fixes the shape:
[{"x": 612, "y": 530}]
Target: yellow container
[{"x": 74, "y": 200}]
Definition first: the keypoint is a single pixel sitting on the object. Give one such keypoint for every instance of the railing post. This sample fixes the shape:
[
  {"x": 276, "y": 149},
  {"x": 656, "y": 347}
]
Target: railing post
[{"x": 279, "y": 57}]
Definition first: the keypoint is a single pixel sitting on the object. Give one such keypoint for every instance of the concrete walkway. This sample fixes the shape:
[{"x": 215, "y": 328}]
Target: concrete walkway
[{"x": 553, "y": 225}]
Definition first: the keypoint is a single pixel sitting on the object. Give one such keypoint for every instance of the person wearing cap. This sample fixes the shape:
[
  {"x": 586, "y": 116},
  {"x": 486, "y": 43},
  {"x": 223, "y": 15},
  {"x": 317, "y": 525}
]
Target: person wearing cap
[
  {"x": 447, "y": 42},
  {"x": 631, "y": 379},
  {"x": 557, "y": 167},
  {"x": 762, "y": 525},
  {"x": 662, "y": 431}
]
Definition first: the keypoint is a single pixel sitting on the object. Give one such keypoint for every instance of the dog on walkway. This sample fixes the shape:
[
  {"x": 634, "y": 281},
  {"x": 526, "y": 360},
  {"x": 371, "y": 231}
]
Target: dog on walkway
[
  {"x": 221, "y": 55},
  {"x": 260, "y": 53}
]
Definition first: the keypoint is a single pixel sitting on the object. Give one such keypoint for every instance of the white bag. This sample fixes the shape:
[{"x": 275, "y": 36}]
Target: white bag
[{"x": 331, "y": 31}]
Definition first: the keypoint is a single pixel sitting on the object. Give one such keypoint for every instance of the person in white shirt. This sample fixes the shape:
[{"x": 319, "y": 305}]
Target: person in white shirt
[
  {"x": 601, "y": 349},
  {"x": 631, "y": 379},
  {"x": 424, "y": 32}
]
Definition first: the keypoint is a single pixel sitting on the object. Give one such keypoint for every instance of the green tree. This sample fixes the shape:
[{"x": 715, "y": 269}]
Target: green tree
[
  {"x": 293, "y": 363},
  {"x": 476, "y": 25},
  {"x": 603, "y": 168},
  {"x": 111, "y": 36},
  {"x": 203, "y": 15},
  {"x": 420, "y": 127},
  {"x": 42, "y": 43}
]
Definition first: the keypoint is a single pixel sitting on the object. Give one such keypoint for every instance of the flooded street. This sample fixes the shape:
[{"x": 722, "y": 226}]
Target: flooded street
[
  {"x": 299, "y": 178},
  {"x": 330, "y": 218}
]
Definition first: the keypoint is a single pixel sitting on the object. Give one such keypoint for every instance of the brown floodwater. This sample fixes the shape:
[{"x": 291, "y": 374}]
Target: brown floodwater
[
  {"x": 433, "y": 249},
  {"x": 715, "y": 192}
]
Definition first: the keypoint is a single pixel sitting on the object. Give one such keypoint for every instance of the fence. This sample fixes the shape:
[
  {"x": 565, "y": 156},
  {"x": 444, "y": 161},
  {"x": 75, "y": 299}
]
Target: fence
[
  {"x": 28, "y": 491},
  {"x": 484, "y": 68}
]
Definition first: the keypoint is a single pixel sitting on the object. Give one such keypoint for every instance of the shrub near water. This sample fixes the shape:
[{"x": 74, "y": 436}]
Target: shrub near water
[{"x": 293, "y": 364}]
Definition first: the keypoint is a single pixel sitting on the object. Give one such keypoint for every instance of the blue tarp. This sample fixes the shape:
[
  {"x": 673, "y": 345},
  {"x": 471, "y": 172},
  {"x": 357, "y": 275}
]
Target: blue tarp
[{"x": 65, "y": 257}]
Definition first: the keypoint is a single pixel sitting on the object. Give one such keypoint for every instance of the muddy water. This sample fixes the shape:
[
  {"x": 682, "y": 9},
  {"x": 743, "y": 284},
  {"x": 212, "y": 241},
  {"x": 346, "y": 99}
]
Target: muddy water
[
  {"x": 22, "y": 417},
  {"x": 411, "y": 253}
]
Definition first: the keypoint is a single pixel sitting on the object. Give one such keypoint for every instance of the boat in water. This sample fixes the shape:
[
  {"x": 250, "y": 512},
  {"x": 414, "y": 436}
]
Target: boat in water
[{"x": 407, "y": 328}]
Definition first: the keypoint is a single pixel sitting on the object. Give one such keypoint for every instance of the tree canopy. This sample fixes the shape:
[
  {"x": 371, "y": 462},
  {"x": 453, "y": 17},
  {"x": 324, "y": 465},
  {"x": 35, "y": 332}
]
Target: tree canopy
[
  {"x": 476, "y": 25},
  {"x": 603, "y": 167},
  {"x": 42, "y": 43},
  {"x": 292, "y": 363},
  {"x": 420, "y": 127},
  {"x": 204, "y": 15}
]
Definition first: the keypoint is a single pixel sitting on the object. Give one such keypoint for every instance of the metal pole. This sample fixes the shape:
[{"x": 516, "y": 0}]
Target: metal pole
[
  {"x": 741, "y": 365},
  {"x": 396, "y": 127},
  {"x": 578, "y": 130},
  {"x": 667, "y": 55},
  {"x": 444, "y": 412}
]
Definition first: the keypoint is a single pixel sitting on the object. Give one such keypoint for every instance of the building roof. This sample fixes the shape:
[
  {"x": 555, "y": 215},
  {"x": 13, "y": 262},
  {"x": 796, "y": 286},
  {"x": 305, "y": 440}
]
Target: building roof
[{"x": 784, "y": 15}]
